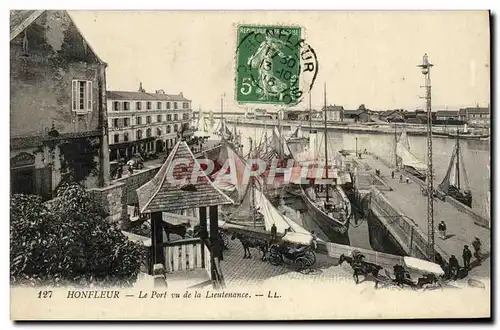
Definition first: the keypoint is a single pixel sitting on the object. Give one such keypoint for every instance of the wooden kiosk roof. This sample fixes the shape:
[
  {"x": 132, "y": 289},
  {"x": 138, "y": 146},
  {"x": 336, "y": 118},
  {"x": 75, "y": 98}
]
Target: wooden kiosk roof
[{"x": 166, "y": 193}]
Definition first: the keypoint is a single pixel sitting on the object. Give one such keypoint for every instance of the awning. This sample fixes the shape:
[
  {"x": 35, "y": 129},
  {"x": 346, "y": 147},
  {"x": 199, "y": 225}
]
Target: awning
[{"x": 423, "y": 266}]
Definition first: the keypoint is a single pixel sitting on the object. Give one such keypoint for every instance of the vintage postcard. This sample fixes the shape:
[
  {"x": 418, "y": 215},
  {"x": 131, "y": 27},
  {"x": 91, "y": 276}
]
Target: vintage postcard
[{"x": 250, "y": 165}]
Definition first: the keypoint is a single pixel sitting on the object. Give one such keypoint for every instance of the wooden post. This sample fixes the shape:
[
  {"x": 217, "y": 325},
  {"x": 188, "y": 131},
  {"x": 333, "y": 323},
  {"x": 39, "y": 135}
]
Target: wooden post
[
  {"x": 203, "y": 233},
  {"x": 157, "y": 238},
  {"x": 214, "y": 238},
  {"x": 411, "y": 240}
]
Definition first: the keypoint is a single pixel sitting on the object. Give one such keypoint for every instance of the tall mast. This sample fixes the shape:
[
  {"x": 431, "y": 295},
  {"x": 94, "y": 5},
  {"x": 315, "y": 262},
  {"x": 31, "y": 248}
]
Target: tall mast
[
  {"x": 326, "y": 153},
  {"x": 310, "y": 114},
  {"x": 426, "y": 71},
  {"x": 222, "y": 115},
  {"x": 253, "y": 201},
  {"x": 265, "y": 135},
  {"x": 458, "y": 163},
  {"x": 396, "y": 144}
]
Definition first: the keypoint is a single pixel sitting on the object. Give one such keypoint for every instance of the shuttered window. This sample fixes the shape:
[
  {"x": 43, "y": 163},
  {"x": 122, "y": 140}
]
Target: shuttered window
[{"x": 81, "y": 95}]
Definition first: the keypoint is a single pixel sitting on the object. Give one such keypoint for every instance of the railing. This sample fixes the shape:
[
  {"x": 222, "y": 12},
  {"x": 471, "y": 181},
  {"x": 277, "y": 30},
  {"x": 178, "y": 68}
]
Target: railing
[
  {"x": 208, "y": 261},
  {"x": 184, "y": 254},
  {"x": 405, "y": 228}
]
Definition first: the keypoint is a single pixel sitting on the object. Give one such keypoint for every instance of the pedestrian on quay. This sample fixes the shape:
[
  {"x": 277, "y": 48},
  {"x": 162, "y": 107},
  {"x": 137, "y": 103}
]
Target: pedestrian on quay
[
  {"x": 476, "y": 244},
  {"x": 442, "y": 229},
  {"x": 392, "y": 175},
  {"x": 467, "y": 255},
  {"x": 400, "y": 178},
  {"x": 273, "y": 233},
  {"x": 407, "y": 180},
  {"x": 454, "y": 267},
  {"x": 314, "y": 240}
]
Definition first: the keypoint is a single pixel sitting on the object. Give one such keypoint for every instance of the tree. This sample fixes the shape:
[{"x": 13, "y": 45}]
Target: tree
[
  {"x": 68, "y": 240},
  {"x": 361, "y": 107}
]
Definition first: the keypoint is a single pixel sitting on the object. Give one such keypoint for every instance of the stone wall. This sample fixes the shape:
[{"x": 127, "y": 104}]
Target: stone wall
[
  {"x": 110, "y": 198},
  {"x": 136, "y": 180}
]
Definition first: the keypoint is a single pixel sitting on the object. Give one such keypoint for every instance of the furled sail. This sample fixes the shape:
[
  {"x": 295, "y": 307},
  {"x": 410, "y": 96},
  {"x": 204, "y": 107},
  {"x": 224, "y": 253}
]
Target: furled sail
[
  {"x": 405, "y": 156},
  {"x": 456, "y": 174}
]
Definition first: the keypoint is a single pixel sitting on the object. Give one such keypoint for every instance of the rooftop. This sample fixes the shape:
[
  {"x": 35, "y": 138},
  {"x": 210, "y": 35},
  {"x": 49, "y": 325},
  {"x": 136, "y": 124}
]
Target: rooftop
[
  {"x": 140, "y": 96},
  {"x": 167, "y": 192}
]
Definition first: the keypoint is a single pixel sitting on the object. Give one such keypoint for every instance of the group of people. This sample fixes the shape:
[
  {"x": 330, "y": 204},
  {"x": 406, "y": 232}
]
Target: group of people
[
  {"x": 406, "y": 179},
  {"x": 452, "y": 266}
]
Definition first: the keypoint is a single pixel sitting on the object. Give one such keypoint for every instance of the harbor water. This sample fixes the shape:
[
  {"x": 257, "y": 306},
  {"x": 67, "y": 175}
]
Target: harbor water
[{"x": 476, "y": 155}]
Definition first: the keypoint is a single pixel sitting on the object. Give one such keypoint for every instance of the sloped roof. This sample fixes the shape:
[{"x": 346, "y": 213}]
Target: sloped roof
[
  {"x": 20, "y": 20},
  {"x": 447, "y": 113},
  {"x": 478, "y": 110},
  {"x": 166, "y": 192},
  {"x": 333, "y": 108},
  {"x": 123, "y": 95}
]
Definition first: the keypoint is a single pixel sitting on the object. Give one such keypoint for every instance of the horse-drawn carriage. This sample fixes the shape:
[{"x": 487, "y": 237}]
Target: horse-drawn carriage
[
  {"x": 294, "y": 247},
  {"x": 402, "y": 275},
  {"x": 430, "y": 275}
]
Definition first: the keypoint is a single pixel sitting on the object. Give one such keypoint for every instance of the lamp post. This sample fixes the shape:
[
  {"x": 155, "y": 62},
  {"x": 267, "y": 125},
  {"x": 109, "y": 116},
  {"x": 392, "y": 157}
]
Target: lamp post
[
  {"x": 356, "y": 146},
  {"x": 426, "y": 71}
]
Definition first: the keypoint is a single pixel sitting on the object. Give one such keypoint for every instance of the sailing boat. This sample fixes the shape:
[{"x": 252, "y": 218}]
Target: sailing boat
[
  {"x": 252, "y": 211},
  {"x": 297, "y": 136},
  {"x": 406, "y": 160},
  {"x": 326, "y": 201},
  {"x": 455, "y": 182}
]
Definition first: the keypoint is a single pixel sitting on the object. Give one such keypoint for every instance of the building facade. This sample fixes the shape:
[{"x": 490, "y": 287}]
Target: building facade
[
  {"x": 57, "y": 105},
  {"x": 334, "y": 112},
  {"x": 144, "y": 122},
  {"x": 475, "y": 116}
]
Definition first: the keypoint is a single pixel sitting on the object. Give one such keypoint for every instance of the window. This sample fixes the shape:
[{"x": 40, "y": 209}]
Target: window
[
  {"x": 185, "y": 116},
  {"x": 169, "y": 117},
  {"x": 158, "y": 105},
  {"x": 81, "y": 95},
  {"x": 148, "y": 120},
  {"x": 138, "y": 105},
  {"x": 115, "y": 122},
  {"x": 126, "y": 106},
  {"x": 139, "y": 135},
  {"x": 168, "y": 129},
  {"x": 126, "y": 122},
  {"x": 176, "y": 128},
  {"x": 148, "y": 132},
  {"x": 148, "y": 105},
  {"x": 175, "y": 105},
  {"x": 168, "y": 105},
  {"x": 176, "y": 117},
  {"x": 125, "y": 136},
  {"x": 158, "y": 118},
  {"x": 116, "y": 106},
  {"x": 158, "y": 131},
  {"x": 185, "y": 105},
  {"x": 138, "y": 120},
  {"x": 116, "y": 138}
]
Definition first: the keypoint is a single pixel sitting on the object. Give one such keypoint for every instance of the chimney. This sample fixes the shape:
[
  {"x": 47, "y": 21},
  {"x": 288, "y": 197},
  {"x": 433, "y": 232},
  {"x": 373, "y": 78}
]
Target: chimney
[
  {"x": 141, "y": 90},
  {"x": 181, "y": 94}
]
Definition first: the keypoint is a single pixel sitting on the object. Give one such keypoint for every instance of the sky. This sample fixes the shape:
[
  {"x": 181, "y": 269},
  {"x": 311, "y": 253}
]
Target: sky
[{"x": 364, "y": 57}]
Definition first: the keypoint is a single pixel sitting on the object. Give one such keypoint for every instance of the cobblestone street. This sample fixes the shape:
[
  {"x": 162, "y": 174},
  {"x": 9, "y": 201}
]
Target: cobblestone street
[{"x": 238, "y": 271}]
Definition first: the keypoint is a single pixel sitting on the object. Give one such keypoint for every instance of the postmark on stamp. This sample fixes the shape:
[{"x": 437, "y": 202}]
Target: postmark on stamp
[{"x": 274, "y": 65}]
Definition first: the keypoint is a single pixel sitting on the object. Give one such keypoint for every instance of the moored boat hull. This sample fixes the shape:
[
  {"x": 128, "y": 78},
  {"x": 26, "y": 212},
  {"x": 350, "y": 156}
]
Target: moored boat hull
[{"x": 333, "y": 229}]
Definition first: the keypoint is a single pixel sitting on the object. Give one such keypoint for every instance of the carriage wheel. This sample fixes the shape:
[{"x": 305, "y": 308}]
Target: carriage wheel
[
  {"x": 275, "y": 258},
  {"x": 311, "y": 258},
  {"x": 302, "y": 264}
]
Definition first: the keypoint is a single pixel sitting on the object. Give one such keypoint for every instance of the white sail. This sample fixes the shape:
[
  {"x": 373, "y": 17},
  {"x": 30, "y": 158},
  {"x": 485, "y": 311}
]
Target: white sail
[{"x": 405, "y": 156}]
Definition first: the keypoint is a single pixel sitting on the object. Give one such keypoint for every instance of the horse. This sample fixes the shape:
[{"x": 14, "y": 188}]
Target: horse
[
  {"x": 361, "y": 268},
  {"x": 180, "y": 230},
  {"x": 250, "y": 242}
]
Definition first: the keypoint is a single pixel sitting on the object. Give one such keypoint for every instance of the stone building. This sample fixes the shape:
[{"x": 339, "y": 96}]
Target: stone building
[
  {"x": 140, "y": 121},
  {"x": 57, "y": 105}
]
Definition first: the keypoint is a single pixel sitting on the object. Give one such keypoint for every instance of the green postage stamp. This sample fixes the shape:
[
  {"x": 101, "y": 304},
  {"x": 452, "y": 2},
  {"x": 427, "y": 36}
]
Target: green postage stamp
[{"x": 270, "y": 61}]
